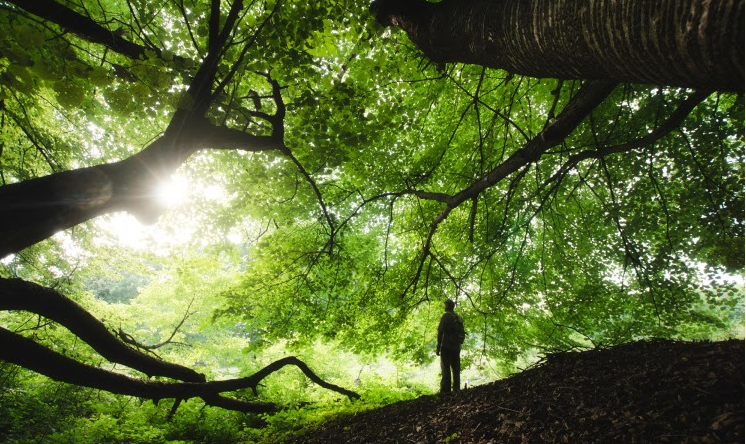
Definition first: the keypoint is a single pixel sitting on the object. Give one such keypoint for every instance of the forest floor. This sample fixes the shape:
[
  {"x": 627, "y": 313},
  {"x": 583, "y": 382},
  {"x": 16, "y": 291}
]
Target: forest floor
[{"x": 643, "y": 392}]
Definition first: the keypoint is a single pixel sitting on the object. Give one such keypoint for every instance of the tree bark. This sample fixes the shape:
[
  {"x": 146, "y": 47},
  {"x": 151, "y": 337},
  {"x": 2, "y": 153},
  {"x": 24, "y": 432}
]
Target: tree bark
[
  {"x": 34, "y": 210},
  {"x": 688, "y": 43}
]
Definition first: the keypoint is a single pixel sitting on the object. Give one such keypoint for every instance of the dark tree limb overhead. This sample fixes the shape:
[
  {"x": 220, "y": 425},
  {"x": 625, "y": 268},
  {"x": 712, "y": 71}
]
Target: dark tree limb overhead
[
  {"x": 666, "y": 127},
  {"x": 33, "y": 210},
  {"x": 689, "y": 43},
  {"x": 585, "y": 101},
  {"x": 85, "y": 27}
]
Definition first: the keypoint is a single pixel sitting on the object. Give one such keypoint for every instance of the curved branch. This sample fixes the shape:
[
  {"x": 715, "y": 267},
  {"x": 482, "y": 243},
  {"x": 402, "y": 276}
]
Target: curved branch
[
  {"x": 27, "y": 353},
  {"x": 129, "y": 339},
  {"x": 588, "y": 98},
  {"x": 17, "y": 294},
  {"x": 585, "y": 101},
  {"x": 33, "y": 210},
  {"x": 292, "y": 360},
  {"x": 332, "y": 230},
  {"x": 665, "y": 128},
  {"x": 278, "y": 132}
]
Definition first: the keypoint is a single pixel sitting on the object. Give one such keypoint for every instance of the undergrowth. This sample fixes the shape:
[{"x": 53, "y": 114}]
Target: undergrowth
[{"x": 35, "y": 410}]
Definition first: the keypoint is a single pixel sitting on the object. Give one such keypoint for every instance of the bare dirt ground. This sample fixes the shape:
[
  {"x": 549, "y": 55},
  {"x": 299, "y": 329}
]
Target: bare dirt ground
[{"x": 643, "y": 392}]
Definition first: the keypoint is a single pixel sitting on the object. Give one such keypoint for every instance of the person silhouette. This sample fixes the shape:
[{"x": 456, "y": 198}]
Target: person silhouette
[{"x": 450, "y": 337}]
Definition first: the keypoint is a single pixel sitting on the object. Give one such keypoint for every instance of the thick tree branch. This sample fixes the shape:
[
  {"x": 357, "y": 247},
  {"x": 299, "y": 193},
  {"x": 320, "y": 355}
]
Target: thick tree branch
[
  {"x": 238, "y": 64},
  {"x": 17, "y": 294},
  {"x": 588, "y": 98},
  {"x": 665, "y": 128},
  {"x": 201, "y": 87},
  {"x": 86, "y": 28},
  {"x": 213, "y": 43},
  {"x": 27, "y": 353},
  {"x": 36, "y": 209},
  {"x": 688, "y": 43}
]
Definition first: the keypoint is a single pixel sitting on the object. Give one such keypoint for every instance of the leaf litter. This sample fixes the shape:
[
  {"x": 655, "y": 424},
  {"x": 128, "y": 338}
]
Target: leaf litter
[{"x": 643, "y": 392}]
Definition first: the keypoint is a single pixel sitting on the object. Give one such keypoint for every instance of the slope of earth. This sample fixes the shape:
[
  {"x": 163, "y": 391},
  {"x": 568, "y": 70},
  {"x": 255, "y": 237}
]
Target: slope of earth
[{"x": 643, "y": 392}]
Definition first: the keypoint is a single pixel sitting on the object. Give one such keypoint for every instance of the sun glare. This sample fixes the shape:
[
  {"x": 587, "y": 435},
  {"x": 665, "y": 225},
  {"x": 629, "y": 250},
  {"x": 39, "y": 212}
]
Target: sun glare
[
  {"x": 173, "y": 192},
  {"x": 179, "y": 196}
]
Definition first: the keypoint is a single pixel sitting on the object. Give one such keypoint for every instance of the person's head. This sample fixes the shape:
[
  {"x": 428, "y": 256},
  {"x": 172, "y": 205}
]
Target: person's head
[{"x": 449, "y": 304}]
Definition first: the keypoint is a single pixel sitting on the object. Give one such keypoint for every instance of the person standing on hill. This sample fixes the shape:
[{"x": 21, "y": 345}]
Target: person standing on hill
[{"x": 450, "y": 337}]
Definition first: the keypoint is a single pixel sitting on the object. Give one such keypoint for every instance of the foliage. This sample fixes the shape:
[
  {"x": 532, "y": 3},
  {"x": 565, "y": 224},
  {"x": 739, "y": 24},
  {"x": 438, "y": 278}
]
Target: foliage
[{"x": 323, "y": 254}]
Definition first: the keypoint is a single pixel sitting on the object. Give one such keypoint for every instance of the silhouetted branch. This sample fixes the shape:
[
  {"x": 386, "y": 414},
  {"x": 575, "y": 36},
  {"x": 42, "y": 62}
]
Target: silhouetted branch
[
  {"x": 585, "y": 101},
  {"x": 17, "y": 294},
  {"x": 86, "y": 28},
  {"x": 27, "y": 353},
  {"x": 665, "y": 128}
]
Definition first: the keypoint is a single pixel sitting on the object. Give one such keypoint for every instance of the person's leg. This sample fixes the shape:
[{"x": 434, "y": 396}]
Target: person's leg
[
  {"x": 445, "y": 372},
  {"x": 456, "y": 366}
]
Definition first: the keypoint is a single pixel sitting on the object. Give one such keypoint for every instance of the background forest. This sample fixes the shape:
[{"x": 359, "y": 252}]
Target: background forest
[{"x": 225, "y": 184}]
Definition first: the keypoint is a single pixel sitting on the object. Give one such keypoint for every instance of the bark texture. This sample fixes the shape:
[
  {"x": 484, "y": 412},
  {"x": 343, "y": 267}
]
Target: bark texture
[{"x": 688, "y": 43}]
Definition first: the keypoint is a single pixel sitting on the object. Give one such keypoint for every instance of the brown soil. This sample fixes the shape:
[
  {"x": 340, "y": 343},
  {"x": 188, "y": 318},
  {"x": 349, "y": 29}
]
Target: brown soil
[{"x": 644, "y": 392}]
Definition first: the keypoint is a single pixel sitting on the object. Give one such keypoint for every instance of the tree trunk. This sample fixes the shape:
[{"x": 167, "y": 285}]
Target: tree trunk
[
  {"x": 688, "y": 43},
  {"x": 33, "y": 210}
]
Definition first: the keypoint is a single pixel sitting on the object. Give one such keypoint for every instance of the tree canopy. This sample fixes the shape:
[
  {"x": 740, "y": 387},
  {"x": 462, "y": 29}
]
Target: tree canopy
[{"x": 342, "y": 184}]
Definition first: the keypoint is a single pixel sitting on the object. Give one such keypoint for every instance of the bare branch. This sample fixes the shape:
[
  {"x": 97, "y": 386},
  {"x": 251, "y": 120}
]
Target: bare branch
[{"x": 129, "y": 339}]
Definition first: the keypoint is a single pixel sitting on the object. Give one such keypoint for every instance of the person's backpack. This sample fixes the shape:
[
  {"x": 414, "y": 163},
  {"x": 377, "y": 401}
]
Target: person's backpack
[
  {"x": 460, "y": 334},
  {"x": 456, "y": 329}
]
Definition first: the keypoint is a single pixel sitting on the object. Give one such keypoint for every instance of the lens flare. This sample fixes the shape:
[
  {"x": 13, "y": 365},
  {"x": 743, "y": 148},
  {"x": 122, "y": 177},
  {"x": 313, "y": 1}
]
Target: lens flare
[{"x": 173, "y": 192}]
